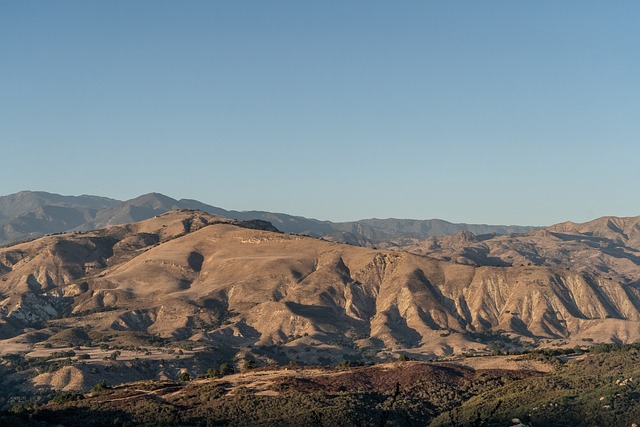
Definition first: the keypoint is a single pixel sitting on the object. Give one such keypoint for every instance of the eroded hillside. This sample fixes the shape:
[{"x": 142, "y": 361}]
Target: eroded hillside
[{"x": 189, "y": 276}]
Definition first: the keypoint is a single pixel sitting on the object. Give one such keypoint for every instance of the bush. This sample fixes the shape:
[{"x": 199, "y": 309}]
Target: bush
[
  {"x": 226, "y": 369},
  {"x": 249, "y": 364},
  {"x": 100, "y": 388},
  {"x": 67, "y": 396},
  {"x": 212, "y": 373},
  {"x": 59, "y": 354},
  {"x": 344, "y": 364}
]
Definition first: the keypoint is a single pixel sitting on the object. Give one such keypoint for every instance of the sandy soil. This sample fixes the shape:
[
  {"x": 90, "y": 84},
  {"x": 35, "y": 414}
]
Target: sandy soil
[{"x": 503, "y": 362}]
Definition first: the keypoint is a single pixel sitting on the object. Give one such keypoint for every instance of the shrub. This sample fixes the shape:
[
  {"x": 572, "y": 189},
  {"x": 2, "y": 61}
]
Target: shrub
[
  {"x": 249, "y": 364},
  {"x": 212, "y": 373},
  {"x": 226, "y": 369},
  {"x": 100, "y": 387},
  {"x": 67, "y": 396}
]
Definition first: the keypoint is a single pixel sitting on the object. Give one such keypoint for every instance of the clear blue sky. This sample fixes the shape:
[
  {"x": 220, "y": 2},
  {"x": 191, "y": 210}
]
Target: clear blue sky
[{"x": 503, "y": 112}]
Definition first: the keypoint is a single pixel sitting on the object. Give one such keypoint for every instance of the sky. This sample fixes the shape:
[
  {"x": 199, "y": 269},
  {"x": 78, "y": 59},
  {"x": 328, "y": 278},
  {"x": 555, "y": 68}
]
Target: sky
[{"x": 498, "y": 112}]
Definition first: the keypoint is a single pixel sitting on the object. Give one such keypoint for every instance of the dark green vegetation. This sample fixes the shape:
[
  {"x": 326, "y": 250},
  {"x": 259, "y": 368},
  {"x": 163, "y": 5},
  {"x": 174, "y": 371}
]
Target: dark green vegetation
[{"x": 601, "y": 388}]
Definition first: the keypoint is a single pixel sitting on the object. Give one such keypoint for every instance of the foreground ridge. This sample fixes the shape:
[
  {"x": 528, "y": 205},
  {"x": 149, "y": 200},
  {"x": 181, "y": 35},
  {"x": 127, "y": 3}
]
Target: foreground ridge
[{"x": 595, "y": 389}]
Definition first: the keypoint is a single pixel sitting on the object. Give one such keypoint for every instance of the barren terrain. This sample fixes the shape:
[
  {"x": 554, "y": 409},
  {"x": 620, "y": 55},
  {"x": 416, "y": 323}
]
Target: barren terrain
[{"x": 225, "y": 289}]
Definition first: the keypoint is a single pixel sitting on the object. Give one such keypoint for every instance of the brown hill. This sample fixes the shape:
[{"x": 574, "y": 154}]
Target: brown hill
[
  {"x": 606, "y": 248},
  {"x": 187, "y": 275}
]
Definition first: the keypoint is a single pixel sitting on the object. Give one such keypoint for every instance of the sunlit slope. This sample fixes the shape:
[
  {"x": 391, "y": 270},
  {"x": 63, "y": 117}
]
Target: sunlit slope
[{"x": 186, "y": 274}]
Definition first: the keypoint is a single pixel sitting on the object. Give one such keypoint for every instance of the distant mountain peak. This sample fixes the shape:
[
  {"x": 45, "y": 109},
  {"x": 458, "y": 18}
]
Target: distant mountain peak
[{"x": 99, "y": 212}]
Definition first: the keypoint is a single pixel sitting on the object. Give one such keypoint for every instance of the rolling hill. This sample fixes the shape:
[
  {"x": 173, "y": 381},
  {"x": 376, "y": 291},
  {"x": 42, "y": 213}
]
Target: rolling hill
[
  {"x": 185, "y": 291},
  {"x": 187, "y": 275}
]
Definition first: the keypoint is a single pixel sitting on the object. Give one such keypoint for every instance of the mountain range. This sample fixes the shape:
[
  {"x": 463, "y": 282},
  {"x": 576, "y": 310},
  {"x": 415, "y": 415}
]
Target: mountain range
[
  {"x": 243, "y": 290},
  {"x": 31, "y": 214},
  {"x": 190, "y": 275}
]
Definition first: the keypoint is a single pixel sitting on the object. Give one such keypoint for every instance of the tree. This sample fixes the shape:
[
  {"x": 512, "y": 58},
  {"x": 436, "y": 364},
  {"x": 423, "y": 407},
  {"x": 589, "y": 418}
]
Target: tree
[
  {"x": 100, "y": 387},
  {"x": 213, "y": 373},
  {"x": 344, "y": 364},
  {"x": 226, "y": 369}
]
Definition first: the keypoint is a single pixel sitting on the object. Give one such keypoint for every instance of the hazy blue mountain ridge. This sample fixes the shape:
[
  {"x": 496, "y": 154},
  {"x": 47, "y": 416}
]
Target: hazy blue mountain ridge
[{"x": 31, "y": 214}]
